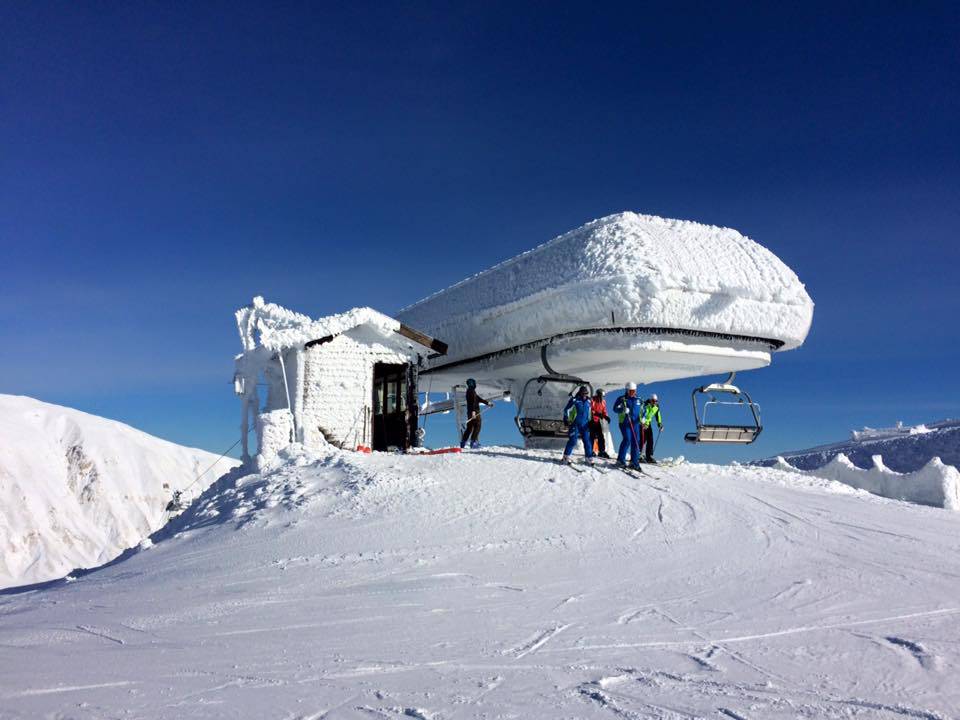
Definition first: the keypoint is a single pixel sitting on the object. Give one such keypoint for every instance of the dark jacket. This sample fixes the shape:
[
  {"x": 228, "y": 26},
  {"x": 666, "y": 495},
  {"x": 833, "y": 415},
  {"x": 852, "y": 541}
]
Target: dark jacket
[{"x": 473, "y": 401}]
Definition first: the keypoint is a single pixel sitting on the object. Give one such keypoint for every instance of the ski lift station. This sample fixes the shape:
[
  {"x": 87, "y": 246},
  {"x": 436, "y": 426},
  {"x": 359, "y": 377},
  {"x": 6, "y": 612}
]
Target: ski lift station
[
  {"x": 627, "y": 297},
  {"x": 348, "y": 379}
]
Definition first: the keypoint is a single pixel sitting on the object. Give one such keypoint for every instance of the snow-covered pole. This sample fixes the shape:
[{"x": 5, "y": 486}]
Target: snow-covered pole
[
  {"x": 286, "y": 389},
  {"x": 245, "y": 428}
]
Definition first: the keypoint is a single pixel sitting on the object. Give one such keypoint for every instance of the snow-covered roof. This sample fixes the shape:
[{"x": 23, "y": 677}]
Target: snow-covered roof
[
  {"x": 625, "y": 270},
  {"x": 276, "y": 328}
]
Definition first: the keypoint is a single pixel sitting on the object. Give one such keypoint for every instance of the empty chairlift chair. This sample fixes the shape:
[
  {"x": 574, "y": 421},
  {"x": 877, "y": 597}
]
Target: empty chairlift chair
[
  {"x": 555, "y": 428},
  {"x": 717, "y": 433}
]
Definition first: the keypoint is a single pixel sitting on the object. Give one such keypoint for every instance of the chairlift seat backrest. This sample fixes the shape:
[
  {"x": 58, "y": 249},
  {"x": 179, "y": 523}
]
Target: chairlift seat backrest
[{"x": 716, "y": 433}]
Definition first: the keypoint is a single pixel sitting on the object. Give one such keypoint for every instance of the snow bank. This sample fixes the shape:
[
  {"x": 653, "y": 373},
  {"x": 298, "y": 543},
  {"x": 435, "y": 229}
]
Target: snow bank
[
  {"x": 76, "y": 490},
  {"x": 274, "y": 433},
  {"x": 934, "y": 484},
  {"x": 624, "y": 270}
]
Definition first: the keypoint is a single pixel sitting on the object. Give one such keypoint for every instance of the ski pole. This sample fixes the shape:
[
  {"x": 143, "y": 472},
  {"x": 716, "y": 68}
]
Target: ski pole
[{"x": 633, "y": 433}]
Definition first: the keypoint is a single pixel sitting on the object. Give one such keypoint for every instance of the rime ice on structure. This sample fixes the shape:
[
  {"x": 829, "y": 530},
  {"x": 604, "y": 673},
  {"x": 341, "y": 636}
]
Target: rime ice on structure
[
  {"x": 625, "y": 298},
  {"x": 320, "y": 376},
  {"x": 628, "y": 297},
  {"x": 623, "y": 270}
]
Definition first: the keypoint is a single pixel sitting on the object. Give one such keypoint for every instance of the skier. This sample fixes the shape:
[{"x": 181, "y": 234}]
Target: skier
[
  {"x": 472, "y": 429},
  {"x": 628, "y": 408},
  {"x": 577, "y": 415},
  {"x": 651, "y": 412},
  {"x": 598, "y": 413}
]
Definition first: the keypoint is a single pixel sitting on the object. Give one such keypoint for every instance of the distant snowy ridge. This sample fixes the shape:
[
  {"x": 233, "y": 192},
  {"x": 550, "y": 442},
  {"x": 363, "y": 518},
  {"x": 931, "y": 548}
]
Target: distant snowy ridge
[
  {"x": 899, "y": 430},
  {"x": 934, "y": 484},
  {"x": 903, "y": 448},
  {"x": 76, "y": 490}
]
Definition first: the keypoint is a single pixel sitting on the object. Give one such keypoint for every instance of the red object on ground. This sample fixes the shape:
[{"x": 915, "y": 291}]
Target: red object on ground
[
  {"x": 441, "y": 451},
  {"x": 363, "y": 449}
]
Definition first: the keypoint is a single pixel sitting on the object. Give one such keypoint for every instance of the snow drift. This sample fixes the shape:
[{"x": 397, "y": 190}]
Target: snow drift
[
  {"x": 934, "y": 484},
  {"x": 76, "y": 490},
  {"x": 625, "y": 270},
  {"x": 903, "y": 448}
]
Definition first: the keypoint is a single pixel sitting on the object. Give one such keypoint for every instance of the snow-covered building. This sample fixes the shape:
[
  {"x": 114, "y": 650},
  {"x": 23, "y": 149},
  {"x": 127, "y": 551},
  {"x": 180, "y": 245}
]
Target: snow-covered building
[
  {"x": 628, "y": 297},
  {"x": 347, "y": 379}
]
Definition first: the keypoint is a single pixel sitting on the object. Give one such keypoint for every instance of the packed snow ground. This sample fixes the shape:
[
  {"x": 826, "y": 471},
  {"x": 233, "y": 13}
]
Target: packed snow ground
[
  {"x": 498, "y": 585},
  {"x": 76, "y": 490}
]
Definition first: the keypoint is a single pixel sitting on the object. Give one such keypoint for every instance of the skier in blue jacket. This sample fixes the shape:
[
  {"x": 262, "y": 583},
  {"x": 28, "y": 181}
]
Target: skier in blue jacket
[
  {"x": 577, "y": 415},
  {"x": 629, "y": 408}
]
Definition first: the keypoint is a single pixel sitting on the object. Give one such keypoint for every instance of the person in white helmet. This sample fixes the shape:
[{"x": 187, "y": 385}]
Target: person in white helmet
[
  {"x": 628, "y": 407},
  {"x": 651, "y": 412}
]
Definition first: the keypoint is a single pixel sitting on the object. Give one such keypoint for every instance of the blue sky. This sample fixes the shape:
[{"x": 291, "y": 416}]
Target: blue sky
[{"x": 162, "y": 163}]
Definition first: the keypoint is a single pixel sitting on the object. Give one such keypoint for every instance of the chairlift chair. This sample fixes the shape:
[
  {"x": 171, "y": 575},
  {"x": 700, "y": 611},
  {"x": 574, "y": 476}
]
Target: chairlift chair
[
  {"x": 545, "y": 427},
  {"x": 176, "y": 502},
  {"x": 717, "y": 433}
]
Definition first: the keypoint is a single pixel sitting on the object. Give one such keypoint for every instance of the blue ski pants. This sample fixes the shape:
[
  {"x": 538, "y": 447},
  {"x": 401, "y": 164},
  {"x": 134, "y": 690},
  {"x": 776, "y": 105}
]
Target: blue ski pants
[
  {"x": 581, "y": 432},
  {"x": 630, "y": 440}
]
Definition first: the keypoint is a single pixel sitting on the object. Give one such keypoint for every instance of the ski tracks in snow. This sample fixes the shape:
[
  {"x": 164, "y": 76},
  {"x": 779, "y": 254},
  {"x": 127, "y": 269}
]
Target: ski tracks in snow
[{"x": 537, "y": 641}]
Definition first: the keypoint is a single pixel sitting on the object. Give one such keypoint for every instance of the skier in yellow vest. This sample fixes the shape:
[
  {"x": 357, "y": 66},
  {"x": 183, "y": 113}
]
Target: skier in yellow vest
[{"x": 650, "y": 412}]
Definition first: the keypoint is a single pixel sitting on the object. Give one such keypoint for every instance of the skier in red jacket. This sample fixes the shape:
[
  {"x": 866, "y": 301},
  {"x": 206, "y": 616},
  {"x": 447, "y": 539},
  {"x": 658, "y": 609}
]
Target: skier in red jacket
[{"x": 598, "y": 413}]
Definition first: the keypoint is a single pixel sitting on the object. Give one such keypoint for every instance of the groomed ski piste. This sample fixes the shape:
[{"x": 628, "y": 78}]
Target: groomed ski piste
[{"x": 498, "y": 584}]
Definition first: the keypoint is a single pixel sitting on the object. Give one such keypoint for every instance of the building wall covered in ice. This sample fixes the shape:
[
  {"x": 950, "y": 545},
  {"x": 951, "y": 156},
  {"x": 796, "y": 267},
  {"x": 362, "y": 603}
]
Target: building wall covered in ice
[
  {"x": 338, "y": 389},
  {"x": 311, "y": 381},
  {"x": 625, "y": 270}
]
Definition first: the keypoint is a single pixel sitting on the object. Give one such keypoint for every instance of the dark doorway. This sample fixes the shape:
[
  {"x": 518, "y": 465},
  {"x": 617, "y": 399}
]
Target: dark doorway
[{"x": 390, "y": 398}]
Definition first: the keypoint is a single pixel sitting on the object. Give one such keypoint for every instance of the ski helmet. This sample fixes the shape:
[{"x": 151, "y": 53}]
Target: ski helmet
[
  {"x": 583, "y": 389},
  {"x": 654, "y": 398},
  {"x": 631, "y": 386},
  {"x": 471, "y": 383},
  {"x": 599, "y": 392}
]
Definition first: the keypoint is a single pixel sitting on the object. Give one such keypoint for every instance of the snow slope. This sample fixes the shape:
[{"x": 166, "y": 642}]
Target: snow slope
[
  {"x": 623, "y": 270},
  {"x": 76, "y": 490},
  {"x": 903, "y": 449},
  {"x": 497, "y": 585}
]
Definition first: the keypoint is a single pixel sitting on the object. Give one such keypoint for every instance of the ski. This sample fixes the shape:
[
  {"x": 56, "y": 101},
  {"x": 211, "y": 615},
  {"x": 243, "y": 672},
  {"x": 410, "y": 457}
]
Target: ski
[
  {"x": 667, "y": 462},
  {"x": 570, "y": 465}
]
